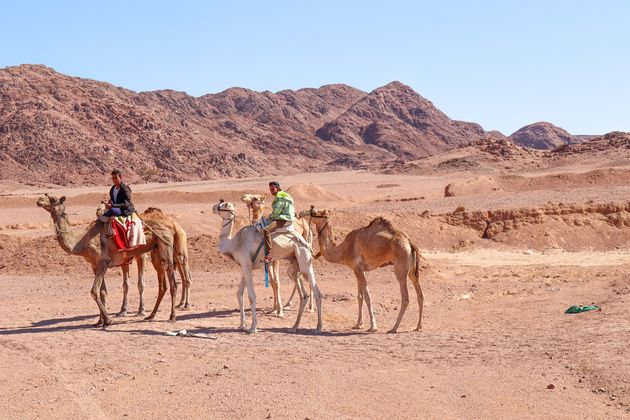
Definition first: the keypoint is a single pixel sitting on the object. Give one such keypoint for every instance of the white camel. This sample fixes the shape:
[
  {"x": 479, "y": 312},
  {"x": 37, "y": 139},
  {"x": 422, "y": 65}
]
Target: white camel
[
  {"x": 245, "y": 248},
  {"x": 255, "y": 206}
]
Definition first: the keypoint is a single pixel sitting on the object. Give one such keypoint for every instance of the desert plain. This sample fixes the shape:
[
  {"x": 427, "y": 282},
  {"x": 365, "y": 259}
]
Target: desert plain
[{"x": 507, "y": 255}]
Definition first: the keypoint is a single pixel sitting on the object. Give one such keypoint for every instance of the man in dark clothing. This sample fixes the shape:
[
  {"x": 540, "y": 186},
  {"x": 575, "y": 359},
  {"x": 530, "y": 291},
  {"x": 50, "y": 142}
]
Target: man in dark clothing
[{"x": 119, "y": 197}]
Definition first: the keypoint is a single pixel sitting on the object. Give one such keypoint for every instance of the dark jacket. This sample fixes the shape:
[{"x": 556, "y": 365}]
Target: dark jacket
[{"x": 123, "y": 199}]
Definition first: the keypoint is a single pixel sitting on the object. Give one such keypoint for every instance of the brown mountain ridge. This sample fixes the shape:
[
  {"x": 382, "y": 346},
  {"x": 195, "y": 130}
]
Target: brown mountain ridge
[
  {"x": 58, "y": 129},
  {"x": 68, "y": 130}
]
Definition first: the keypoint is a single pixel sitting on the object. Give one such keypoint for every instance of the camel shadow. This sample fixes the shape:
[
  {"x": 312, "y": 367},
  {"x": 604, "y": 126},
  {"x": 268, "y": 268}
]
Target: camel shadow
[
  {"x": 311, "y": 332},
  {"x": 35, "y": 330},
  {"x": 53, "y": 321},
  {"x": 209, "y": 314}
]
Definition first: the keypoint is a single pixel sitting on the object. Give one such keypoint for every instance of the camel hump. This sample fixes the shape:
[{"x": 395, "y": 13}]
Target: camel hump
[
  {"x": 153, "y": 211},
  {"x": 381, "y": 221}
]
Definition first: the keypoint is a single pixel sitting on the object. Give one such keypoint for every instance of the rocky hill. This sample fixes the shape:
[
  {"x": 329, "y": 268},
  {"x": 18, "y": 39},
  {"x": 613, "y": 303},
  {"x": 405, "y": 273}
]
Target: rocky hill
[
  {"x": 397, "y": 119},
  {"x": 72, "y": 131},
  {"x": 543, "y": 136}
]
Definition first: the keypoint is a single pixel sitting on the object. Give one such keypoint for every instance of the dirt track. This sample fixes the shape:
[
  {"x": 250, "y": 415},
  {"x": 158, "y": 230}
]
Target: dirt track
[{"x": 496, "y": 342}]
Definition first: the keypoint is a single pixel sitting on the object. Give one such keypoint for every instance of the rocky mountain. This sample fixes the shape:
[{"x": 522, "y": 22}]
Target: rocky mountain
[
  {"x": 399, "y": 120},
  {"x": 615, "y": 142},
  {"x": 67, "y": 130},
  {"x": 543, "y": 136}
]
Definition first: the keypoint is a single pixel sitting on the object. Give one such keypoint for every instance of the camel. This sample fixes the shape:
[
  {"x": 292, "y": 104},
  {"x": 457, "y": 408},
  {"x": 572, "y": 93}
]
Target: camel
[
  {"x": 245, "y": 248},
  {"x": 255, "y": 206},
  {"x": 101, "y": 252},
  {"x": 375, "y": 245},
  {"x": 180, "y": 247}
]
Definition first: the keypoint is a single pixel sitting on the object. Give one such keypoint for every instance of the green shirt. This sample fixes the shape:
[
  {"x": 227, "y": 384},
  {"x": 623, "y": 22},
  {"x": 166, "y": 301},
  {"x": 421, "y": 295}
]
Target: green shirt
[{"x": 282, "y": 207}]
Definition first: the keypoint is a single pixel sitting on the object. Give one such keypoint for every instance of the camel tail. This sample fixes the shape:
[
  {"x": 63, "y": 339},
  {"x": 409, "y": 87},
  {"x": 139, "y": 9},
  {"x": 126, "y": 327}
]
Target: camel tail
[{"x": 416, "y": 255}]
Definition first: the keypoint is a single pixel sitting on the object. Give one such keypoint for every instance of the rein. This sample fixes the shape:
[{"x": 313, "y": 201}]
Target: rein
[
  {"x": 63, "y": 215},
  {"x": 311, "y": 215},
  {"x": 219, "y": 209}
]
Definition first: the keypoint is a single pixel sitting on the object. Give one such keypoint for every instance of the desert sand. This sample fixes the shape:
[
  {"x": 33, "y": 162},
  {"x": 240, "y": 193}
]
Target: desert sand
[{"x": 495, "y": 344}]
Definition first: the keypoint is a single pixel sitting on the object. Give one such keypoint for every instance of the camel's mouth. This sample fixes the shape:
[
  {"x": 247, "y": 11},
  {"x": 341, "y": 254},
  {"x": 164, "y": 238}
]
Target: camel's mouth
[
  {"x": 223, "y": 207},
  {"x": 315, "y": 213},
  {"x": 44, "y": 203}
]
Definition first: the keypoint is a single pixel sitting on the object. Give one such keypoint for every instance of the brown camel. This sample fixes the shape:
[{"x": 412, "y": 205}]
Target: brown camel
[
  {"x": 180, "y": 247},
  {"x": 255, "y": 206},
  {"x": 101, "y": 252},
  {"x": 375, "y": 245}
]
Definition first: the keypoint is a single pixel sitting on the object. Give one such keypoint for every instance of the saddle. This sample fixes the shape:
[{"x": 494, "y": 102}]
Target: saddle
[{"x": 126, "y": 231}]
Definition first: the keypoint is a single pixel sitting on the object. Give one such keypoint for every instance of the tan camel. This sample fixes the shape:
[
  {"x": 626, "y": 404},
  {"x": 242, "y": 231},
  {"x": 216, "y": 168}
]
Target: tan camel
[
  {"x": 375, "y": 245},
  {"x": 180, "y": 248},
  {"x": 255, "y": 206},
  {"x": 101, "y": 252}
]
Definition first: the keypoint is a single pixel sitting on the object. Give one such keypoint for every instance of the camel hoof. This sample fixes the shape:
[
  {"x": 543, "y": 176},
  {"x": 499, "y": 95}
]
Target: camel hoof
[
  {"x": 252, "y": 330},
  {"x": 107, "y": 323},
  {"x": 172, "y": 319},
  {"x": 243, "y": 327},
  {"x": 150, "y": 317},
  {"x": 392, "y": 331},
  {"x": 372, "y": 329},
  {"x": 310, "y": 310},
  {"x": 140, "y": 313},
  {"x": 418, "y": 329},
  {"x": 99, "y": 324},
  {"x": 121, "y": 314},
  {"x": 185, "y": 308},
  {"x": 358, "y": 327}
]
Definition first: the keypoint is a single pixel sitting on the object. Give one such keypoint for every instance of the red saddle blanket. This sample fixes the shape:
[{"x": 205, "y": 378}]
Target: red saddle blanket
[{"x": 127, "y": 232}]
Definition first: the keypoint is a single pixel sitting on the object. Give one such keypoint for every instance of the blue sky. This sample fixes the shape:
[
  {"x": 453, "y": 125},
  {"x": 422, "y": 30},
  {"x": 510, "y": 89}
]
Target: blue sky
[{"x": 503, "y": 64}]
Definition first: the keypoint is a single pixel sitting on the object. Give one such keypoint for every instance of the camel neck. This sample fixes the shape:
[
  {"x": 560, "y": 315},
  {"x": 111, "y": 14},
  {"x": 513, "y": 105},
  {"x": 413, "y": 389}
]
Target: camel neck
[
  {"x": 65, "y": 236},
  {"x": 331, "y": 251},
  {"x": 225, "y": 237}
]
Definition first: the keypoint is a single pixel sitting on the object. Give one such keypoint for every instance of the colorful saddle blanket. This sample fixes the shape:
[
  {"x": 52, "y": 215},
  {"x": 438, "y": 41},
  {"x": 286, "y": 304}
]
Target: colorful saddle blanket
[{"x": 127, "y": 231}]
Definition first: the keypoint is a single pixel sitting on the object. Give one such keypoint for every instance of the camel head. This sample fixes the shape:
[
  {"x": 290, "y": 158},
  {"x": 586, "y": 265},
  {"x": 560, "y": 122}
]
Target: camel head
[
  {"x": 316, "y": 215},
  {"x": 224, "y": 209},
  {"x": 52, "y": 204},
  {"x": 253, "y": 199},
  {"x": 100, "y": 209}
]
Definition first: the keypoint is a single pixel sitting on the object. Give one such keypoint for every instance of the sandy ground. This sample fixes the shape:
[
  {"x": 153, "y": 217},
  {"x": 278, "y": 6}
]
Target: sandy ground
[{"x": 496, "y": 342}]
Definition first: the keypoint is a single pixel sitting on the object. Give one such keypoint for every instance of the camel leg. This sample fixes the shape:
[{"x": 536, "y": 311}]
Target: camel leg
[
  {"x": 275, "y": 269},
  {"x": 173, "y": 285},
  {"x": 310, "y": 300},
  {"x": 315, "y": 293},
  {"x": 288, "y": 304},
  {"x": 241, "y": 307},
  {"x": 161, "y": 277},
  {"x": 252, "y": 301},
  {"x": 140, "y": 261},
  {"x": 169, "y": 265},
  {"x": 275, "y": 286},
  {"x": 359, "y": 275},
  {"x": 99, "y": 280},
  {"x": 239, "y": 296},
  {"x": 184, "y": 271},
  {"x": 125, "y": 286},
  {"x": 362, "y": 280},
  {"x": 401, "y": 275},
  {"x": 301, "y": 292},
  {"x": 416, "y": 284}
]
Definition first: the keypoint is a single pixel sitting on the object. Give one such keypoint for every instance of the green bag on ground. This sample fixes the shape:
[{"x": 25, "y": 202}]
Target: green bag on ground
[{"x": 578, "y": 309}]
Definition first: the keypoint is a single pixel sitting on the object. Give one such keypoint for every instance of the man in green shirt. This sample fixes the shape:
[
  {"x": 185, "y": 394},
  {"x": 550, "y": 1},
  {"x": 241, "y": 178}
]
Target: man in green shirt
[{"x": 282, "y": 212}]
